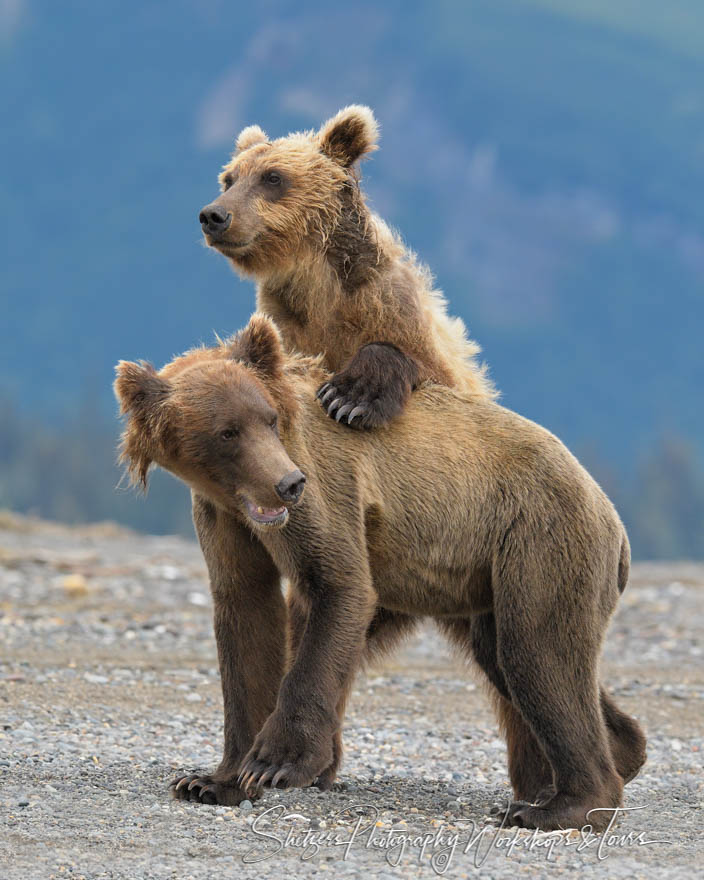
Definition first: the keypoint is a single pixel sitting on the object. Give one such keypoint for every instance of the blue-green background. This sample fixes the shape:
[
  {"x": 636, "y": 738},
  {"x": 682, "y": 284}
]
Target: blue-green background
[{"x": 546, "y": 158}]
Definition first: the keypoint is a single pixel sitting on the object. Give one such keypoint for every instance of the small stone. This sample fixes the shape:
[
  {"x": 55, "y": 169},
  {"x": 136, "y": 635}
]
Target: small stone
[
  {"x": 246, "y": 806},
  {"x": 23, "y": 802},
  {"x": 75, "y": 585},
  {"x": 193, "y": 697},
  {"x": 95, "y": 679}
]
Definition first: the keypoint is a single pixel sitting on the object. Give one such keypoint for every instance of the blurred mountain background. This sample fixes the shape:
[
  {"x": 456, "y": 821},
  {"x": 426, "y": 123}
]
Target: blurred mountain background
[{"x": 545, "y": 158}]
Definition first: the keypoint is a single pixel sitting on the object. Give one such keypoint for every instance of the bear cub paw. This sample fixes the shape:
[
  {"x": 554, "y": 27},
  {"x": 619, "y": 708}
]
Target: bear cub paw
[{"x": 372, "y": 389}]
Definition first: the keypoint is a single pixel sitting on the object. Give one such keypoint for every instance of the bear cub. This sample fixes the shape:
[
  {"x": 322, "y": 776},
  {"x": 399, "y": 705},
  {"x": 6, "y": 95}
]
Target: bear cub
[{"x": 333, "y": 276}]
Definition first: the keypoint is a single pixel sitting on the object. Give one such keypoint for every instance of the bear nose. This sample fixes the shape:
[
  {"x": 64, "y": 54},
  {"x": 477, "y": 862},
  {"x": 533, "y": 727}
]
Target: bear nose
[
  {"x": 290, "y": 488},
  {"x": 214, "y": 219}
]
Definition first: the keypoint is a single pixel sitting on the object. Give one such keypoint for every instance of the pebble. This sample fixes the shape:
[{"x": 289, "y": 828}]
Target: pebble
[{"x": 95, "y": 679}]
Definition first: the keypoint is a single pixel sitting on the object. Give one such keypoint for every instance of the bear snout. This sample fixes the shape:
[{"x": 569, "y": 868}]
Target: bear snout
[
  {"x": 290, "y": 488},
  {"x": 214, "y": 220}
]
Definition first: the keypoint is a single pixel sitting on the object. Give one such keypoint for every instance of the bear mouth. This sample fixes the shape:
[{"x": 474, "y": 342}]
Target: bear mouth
[
  {"x": 232, "y": 248},
  {"x": 266, "y": 516}
]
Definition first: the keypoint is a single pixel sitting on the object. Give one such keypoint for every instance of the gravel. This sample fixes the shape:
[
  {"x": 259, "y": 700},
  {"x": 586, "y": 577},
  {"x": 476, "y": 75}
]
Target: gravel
[{"x": 109, "y": 688}]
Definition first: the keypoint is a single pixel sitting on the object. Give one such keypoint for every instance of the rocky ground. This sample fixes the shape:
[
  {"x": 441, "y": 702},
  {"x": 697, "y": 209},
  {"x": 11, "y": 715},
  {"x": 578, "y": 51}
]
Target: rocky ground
[{"x": 109, "y": 687}]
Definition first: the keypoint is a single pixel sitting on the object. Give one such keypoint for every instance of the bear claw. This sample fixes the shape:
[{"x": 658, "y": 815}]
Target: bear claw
[
  {"x": 331, "y": 392},
  {"x": 280, "y": 775},
  {"x": 267, "y": 775},
  {"x": 357, "y": 411},
  {"x": 207, "y": 790},
  {"x": 245, "y": 779},
  {"x": 176, "y": 784},
  {"x": 343, "y": 410}
]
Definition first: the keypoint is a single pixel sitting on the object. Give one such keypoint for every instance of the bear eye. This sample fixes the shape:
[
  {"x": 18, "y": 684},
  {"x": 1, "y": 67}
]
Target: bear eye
[
  {"x": 274, "y": 423},
  {"x": 227, "y": 181},
  {"x": 230, "y": 434},
  {"x": 273, "y": 178}
]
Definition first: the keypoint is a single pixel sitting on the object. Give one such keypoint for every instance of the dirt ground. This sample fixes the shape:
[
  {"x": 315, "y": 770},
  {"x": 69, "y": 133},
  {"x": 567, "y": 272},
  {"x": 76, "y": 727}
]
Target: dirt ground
[{"x": 109, "y": 687}]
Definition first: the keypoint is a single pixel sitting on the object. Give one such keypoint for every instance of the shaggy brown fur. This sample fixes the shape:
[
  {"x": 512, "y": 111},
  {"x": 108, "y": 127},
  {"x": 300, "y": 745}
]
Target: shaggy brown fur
[
  {"x": 332, "y": 274},
  {"x": 460, "y": 510}
]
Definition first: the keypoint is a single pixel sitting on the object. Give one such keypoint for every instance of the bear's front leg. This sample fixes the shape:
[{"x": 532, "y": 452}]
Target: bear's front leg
[
  {"x": 295, "y": 745},
  {"x": 292, "y": 749},
  {"x": 250, "y": 631},
  {"x": 372, "y": 389}
]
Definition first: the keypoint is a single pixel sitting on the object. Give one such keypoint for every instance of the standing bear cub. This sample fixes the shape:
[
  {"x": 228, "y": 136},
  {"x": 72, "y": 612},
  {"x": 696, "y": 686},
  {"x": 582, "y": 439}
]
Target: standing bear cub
[
  {"x": 462, "y": 511},
  {"x": 332, "y": 275}
]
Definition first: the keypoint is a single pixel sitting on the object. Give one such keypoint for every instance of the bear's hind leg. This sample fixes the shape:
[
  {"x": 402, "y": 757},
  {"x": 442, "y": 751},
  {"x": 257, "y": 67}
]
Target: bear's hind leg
[
  {"x": 529, "y": 770},
  {"x": 553, "y": 684},
  {"x": 626, "y": 737}
]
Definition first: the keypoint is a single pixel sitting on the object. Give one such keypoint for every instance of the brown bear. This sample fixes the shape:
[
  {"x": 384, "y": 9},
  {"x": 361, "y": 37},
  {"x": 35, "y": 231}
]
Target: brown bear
[
  {"x": 460, "y": 510},
  {"x": 331, "y": 273}
]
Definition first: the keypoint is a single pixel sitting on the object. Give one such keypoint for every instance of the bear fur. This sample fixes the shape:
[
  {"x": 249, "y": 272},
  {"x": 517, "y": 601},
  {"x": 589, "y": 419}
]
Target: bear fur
[
  {"x": 460, "y": 510},
  {"x": 333, "y": 276}
]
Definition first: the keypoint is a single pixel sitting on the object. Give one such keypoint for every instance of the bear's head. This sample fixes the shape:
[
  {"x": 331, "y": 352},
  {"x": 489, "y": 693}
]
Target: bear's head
[
  {"x": 210, "y": 418},
  {"x": 284, "y": 198}
]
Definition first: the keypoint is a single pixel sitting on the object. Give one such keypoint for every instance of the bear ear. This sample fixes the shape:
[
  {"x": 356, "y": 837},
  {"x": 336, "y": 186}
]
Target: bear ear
[
  {"x": 141, "y": 394},
  {"x": 259, "y": 345},
  {"x": 138, "y": 388},
  {"x": 349, "y": 135},
  {"x": 250, "y": 136}
]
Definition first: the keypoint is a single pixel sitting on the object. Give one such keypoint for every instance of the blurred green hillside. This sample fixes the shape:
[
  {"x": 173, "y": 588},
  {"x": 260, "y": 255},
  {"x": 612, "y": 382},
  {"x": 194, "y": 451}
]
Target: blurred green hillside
[{"x": 546, "y": 158}]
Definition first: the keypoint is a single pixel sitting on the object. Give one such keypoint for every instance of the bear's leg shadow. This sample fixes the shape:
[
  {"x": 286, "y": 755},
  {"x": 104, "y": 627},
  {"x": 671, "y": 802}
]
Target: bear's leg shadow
[
  {"x": 250, "y": 631},
  {"x": 372, "y": 389}
]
